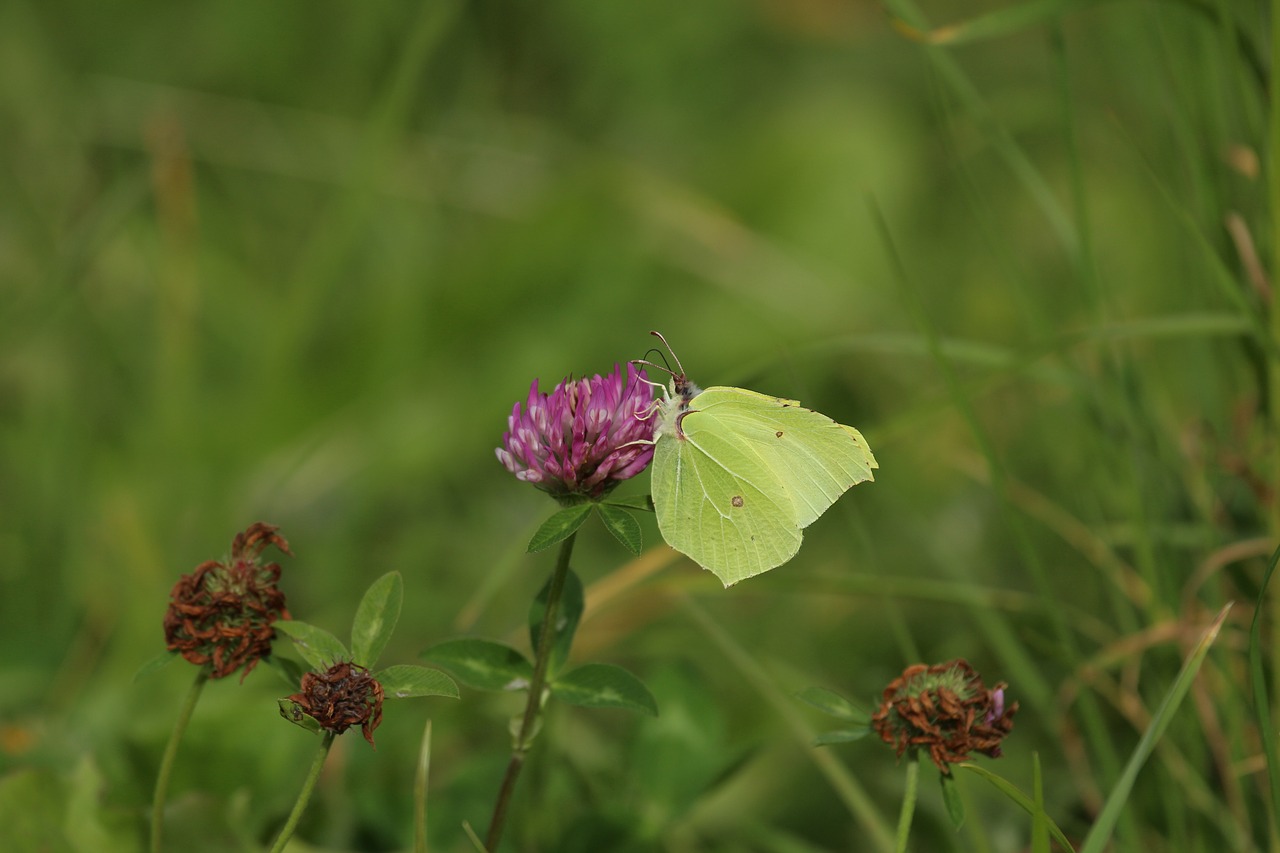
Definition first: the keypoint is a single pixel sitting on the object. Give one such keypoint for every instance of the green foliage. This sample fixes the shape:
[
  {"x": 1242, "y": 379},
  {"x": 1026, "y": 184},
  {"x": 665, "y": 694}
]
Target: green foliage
[
  {"x": 644, "y": 503},
  {"x": 156, "y": 664},
  {"x": 405, "y": 680},
  {"x": 316, "y": 645},
  {"x": 1015, "y": 796},
  {"x": 568, "y": 614},
  {"x": 289, "y": 670},
  {"x": 376, "y": 618},
  {"x": 1100, "y": 834},
  {"x": 623, "y": 525},
  {"x": 302, "y": 273},
  {"x": 1259, "y": 689},
  {"x": 41, "y": 809},
  {"x": 560, "y": 526},
  {"x": 951, "y": 797},
  {"x": 296, "y": 714},
  {"x": 830, "y": 702},
  {"x": 482, "y": 664},
  {"x": 614, "y": 514},
  {"x": 604, "y": 685}
]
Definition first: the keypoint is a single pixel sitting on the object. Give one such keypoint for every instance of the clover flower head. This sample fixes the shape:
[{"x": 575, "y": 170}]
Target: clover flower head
[
  {"x": 221, "y": 613},
  {"x": 342, "y": 696},
  {"x": 946, "y": 710},
  {"x": 585, "y": 437}
]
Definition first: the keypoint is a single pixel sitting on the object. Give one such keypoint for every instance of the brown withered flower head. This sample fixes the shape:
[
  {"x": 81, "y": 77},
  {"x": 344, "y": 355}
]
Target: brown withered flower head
[
  {"x": 343, "y": 696},
  {"x": 946, "y": 710},
  {"x": 221, "y": 613}
]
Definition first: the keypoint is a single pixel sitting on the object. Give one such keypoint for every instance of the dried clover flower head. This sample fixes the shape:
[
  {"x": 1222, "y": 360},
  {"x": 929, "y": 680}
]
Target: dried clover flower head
[
  {"x": 221, "y": 613},
  {"x": 585, "y": 437},
  {"x": 946, "y": 710},
  {"x": 342, "y": 696}
]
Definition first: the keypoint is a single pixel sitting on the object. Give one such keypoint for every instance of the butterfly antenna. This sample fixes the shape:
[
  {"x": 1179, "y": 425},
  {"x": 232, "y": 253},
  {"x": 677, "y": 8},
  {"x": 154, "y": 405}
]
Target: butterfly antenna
[
  {"x": 650, "y": 382},
  {"x": 674, "y": 357},
  {"x": 663, "y": 367}
]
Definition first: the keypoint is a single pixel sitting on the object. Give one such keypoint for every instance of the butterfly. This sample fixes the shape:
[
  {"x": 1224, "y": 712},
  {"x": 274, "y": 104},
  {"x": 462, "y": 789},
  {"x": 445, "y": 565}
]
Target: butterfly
[{"x": 738, "y": 475}]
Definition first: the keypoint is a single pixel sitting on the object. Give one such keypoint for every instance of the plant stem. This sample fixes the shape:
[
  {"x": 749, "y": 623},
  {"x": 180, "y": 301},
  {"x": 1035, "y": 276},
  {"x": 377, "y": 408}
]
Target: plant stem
[
  {"x": 908, "y": 801},
  {"x": 534, "y": 704},
  {"x": 420, "y": 793},
  {"x": 304, "y": 796},
  {"x": 170, "y": 753}
]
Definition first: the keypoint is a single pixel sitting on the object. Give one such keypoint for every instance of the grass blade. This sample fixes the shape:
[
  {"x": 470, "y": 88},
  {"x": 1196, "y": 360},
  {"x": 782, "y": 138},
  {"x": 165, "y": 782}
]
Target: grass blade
[
  {"x": 997, "y": 24},
  {"x": 1100, "y": 835},
  {"x": 1261, "y": 705},
  {"x": 1020, "y": 799}
]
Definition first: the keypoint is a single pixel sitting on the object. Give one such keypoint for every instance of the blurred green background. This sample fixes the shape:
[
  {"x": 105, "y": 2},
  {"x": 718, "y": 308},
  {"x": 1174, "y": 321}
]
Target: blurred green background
[{"x": 295, "y": 261}]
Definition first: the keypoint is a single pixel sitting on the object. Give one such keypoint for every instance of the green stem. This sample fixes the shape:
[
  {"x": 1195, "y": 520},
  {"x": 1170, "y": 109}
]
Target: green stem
[
  {"x": 1273, "y": 373},
  {"x": 534, "y": 704},
  {"x": 304, "y": 796},
  {"x": 908, "y": 801},
  {"x": 420, "y": 793},
  {"x": 170, "y": 753}
]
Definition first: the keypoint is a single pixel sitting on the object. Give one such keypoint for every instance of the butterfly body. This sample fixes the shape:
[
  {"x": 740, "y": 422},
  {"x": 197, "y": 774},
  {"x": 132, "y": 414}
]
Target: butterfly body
[{"x": 738, "y": 475}]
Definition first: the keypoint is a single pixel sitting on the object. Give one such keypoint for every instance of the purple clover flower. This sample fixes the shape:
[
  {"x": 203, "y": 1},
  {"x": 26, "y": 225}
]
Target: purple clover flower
[
  {"x": 585, "y": 437},
  {"x": 996, "y": 711}
]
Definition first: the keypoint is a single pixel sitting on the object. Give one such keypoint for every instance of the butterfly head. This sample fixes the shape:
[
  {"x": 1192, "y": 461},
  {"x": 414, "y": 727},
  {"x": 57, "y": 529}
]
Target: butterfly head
[
  {"x": 677, "y": 397},
  {"x": 683, "y": 391}
]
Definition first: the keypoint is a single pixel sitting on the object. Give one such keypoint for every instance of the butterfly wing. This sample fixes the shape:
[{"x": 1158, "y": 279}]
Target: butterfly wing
[
  {"x": 814, "y": 458},
  {"x": 718, "y": 503}
]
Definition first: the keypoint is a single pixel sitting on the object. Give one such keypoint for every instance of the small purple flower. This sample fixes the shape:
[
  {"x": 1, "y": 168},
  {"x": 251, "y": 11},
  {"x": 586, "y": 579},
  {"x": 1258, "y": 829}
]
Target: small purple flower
[
  {"x": 996, "y": 711},
  {"x": 584, "y": 437}
]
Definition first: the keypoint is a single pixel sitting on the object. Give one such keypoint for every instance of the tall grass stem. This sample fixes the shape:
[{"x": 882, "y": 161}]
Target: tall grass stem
[{"x": 170, "y": 753}]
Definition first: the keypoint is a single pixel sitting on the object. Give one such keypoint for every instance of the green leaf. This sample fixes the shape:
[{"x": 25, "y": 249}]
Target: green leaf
[
  {"x": 376, "y": 618},
  {"x": 294, "y": 713},
  {"x": 560, "y": 526},
  {"x": 623, "y": 525},
  {"x": 955, "y": 805},
  {"x": 289, "y": 670},
  {"x": 830, "y": 702},
  {"x": 482, "y": 664},
  {"x": 406, "y": 680},
  {"x": 644, "y": 503},
  {"x": 603, "y": 685},
  {"x": 1020, "y": 799},
  {"x": 841, "y": 736},
  {"x": 156, "y": 664},
  {"x": 317, "y": 646},
  {"x": 568, "y": 614}
]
